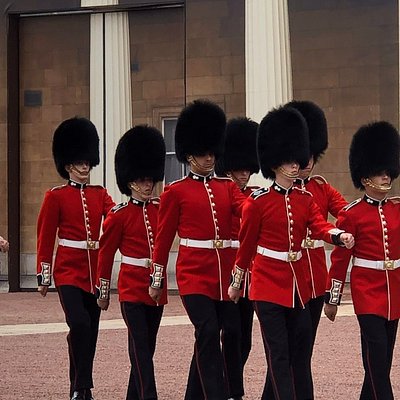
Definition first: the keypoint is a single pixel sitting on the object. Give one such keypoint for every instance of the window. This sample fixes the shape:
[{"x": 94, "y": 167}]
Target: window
[{"x": 174, "y": 170}]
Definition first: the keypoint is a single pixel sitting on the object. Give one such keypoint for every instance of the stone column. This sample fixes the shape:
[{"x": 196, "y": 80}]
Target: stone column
[
  {"x": 268, "y": 63},
  {"x": 110, "y": 88}
]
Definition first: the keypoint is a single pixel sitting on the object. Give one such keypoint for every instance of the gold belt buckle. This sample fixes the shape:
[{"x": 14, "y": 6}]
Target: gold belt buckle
[
  {"x": 292, "y": 256},
  {"x": 91, "y": 244},
  {"x": 147, "y": 263},
  {"x": 309, "y": 243},
  {"x": 218, "y": 244},
  {"x": 389, "y": 265}
]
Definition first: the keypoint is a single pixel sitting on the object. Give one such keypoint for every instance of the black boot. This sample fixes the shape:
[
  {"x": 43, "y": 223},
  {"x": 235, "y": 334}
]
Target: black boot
[
  {"x": 88, "y": 395},
  {"x": 79, "y": 395}
]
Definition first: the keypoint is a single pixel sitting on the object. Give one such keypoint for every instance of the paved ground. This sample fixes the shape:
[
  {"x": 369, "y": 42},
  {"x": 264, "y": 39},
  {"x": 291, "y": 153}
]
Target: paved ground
[{"x": 34, "y": 353}]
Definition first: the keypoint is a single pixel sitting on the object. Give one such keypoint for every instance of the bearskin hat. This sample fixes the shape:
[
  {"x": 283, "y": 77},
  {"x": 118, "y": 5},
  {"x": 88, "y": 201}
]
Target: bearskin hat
[
  {"x": 200, "y": 129},
  {"x": 317, "y": 126},
  {"x": 74, "y": 140},
  {"x": 374, "y": 148},
  {"x": 282, "y": 137},
  {"x": 239, "y": 151},
  {"x": 140, "y": 154}
]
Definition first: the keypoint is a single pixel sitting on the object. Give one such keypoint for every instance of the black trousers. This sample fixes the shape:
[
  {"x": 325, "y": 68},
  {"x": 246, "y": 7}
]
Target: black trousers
[
  {"x": 246, "y": 320},
  {"x": 289, "y": 371},
  {"x": 378, "y": 337},
  {"x": 306, "y": 334},
  {"x": 143, "y": 322},
  {"x": 315, "y": 306},
  {"x": 208, "y": 375},
  {"x": 82, "y": 316}
]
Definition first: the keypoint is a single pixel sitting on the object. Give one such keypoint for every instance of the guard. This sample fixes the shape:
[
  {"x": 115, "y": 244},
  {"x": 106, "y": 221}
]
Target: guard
[
  {"x": 374, "y": 221},
  {"x": 238, "y": 162},
  {"x": 72, "y": 214},
  {"x": 274, "y": 223},
  {"x": 131, "y": 227},
  {"x": 199, "y": 208}
]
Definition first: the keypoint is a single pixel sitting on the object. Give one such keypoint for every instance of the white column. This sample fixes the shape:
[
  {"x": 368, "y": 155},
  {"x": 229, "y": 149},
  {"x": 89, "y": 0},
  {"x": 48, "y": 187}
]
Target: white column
[
  {"x": 110, "y": 91},
  {"x": 268, "y": 63},
  {"x": 97, "y": 89},
  {"x": 118, "y": 100}
]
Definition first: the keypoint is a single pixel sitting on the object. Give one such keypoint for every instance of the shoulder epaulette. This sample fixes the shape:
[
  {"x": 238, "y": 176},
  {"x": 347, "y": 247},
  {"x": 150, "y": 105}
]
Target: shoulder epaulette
[
  {"x": 394, "y": 199},
  {"x": 303, "y": 191},
  {"x": 95, "y": 186},
  {"x": 155, "y": 200},
  {"x": 320, "y": 179},
  {"x": 352, "y": 204},
  {"x": 259, "y": 192},
  {"x": 119, "y": 206},
  {"x": 58, "y": 187},
  {"x": 178, "y": 180}
]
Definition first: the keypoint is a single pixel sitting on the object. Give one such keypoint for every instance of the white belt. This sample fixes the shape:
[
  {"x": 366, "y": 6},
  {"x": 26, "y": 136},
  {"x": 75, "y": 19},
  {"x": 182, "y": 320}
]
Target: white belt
[
  {"x": 137, "y": 262},
  {"x": 379, "y": 265},
  {"x": 312, "y": 243},
  {"x": 79, "y": 244},
  {"x": 235, "y": 244},
  {"x": 287, "y": 256},
  {"x": 206, "y": 244}
]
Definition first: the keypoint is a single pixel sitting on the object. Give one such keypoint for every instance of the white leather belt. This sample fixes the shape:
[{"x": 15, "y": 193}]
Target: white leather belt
[
  {"x": 137, "y": 262},
  {"x": 288, "y": 256},
  {"x": 312, "y": 243},
  {"x": 206, "y": 244},
  {"x": 235, "y": 244},
  {"x": 379, "y": 265},
  {"x": 80, "y": 244}
]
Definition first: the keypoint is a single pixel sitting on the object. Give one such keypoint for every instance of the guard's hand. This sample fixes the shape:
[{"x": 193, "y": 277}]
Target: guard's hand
[
  {"x": 234, "y": 294},
  {"x": 330, "y": 311},
  {"x": 103, "y": 304},
  {"x": 155, "y": 294},
  {"x": 43, "y": 290},
  {"x": 4, "y": 245},
  {"x": 347, "y": 239}
]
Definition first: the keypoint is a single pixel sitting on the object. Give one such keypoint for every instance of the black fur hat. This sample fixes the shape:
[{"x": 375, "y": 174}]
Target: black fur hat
[
  {"x": 200, "y": 129},
  {"x": 75, "y": 139},
  {"x": 317, "y": 126},
  {"x": 239, "y": 147},
  {"x": 140, "y": 154},
  {"x": 282, "y": 137},
  {"x": 374, "y": 148}
]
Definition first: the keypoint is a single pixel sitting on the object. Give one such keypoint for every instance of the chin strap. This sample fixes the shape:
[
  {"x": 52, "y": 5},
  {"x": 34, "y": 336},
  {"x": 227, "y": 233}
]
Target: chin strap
[
  {"x": 287, "y": 174},
  {"x": 192, "y": 160},
  {"x": 236, "y": 180},
  {"x": 380, "y": 188}
]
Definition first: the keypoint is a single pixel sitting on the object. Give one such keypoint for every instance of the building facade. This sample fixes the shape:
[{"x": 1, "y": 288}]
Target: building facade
[{"x": 128, "y": 62}]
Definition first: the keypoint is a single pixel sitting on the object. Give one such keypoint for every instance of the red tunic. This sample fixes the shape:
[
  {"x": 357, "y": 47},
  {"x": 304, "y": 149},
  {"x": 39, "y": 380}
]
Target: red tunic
[
  {"x": 330, "y": 201},
  {"x": 76, "y": 211},
  {"x": 375, "y": 226},
  {"x": 130, "y": 228},
  {"x": 277, "y": 219},
  {"x": 199, "y": 208},
  {"x": 235, "y": 236}
]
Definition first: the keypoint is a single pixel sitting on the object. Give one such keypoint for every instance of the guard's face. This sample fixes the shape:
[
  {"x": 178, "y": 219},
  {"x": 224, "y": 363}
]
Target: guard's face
[
  {"x": 381, "y": 182},
  {"x": 203, "y": 164},
  {"x": 289, "y": 170},
  {"x": 305, "y": 173},
  {"x": 142, "y": 189},
  {"x": 241, "y": 177},
  {"x": 79, "y": 171}
]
